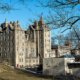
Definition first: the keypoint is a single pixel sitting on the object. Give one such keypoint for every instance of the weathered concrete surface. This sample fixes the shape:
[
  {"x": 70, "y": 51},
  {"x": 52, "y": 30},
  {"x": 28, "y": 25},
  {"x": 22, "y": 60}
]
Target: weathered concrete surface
[
  {"x": 76, "y": 72},
  {"x": 53, "y": 66}
]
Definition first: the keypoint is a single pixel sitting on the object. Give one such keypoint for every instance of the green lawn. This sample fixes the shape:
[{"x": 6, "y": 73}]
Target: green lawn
[{"x": 7, "y": 73}]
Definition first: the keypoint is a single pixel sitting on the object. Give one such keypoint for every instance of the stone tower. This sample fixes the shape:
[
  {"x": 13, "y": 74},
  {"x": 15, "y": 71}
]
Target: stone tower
[{"x": 42, "y": 38}]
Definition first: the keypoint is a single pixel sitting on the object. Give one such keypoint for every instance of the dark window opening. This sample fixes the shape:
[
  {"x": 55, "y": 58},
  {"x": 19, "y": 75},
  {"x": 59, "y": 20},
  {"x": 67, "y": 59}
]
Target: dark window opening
[
  {"x": 74, "y": 65},
  {"x": 0, "y": 54}
]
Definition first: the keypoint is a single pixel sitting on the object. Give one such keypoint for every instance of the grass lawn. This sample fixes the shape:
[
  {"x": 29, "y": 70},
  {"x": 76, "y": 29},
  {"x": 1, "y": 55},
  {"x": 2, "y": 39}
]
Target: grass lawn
[{"x": 7, "y": 73}]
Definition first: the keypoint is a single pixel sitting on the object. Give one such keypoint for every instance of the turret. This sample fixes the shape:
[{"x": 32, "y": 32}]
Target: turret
[
  {"x": 36, "y": 24},
  {"x": 10, "y": 22},
  {"x": 5, "y": 20},
  {"x": 17, "y": 22},
  {"x": 41, "y": 21},
  {"x": 5, "y": 23}
]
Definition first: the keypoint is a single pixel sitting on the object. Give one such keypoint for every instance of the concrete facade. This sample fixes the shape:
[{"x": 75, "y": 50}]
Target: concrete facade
[{"x": 57, "y": 66}]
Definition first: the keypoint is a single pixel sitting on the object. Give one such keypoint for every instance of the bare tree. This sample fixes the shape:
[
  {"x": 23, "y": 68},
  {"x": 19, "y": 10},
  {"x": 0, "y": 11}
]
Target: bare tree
[
  {"x": 71, "y": 36},
  {"x": 62, "y": 14},
  {"x": 62, "y": 9},
  {"x": 8, "y": 5}
]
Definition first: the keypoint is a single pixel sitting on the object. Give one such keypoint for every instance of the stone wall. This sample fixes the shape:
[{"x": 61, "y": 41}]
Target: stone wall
[{"x": 53, "y": 66}]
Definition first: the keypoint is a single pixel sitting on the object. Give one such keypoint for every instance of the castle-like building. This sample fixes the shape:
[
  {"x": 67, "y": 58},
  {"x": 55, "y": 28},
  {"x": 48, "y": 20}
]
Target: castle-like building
[{"x": 25, "y": 48}]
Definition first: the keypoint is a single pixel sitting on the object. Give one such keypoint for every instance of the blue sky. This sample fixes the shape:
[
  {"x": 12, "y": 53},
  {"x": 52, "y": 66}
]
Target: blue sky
[{"x": 26, "y": 14}]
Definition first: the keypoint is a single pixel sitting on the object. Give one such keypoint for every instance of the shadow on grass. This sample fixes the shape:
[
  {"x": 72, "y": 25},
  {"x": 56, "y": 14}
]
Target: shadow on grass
[
  {"x": 58, "y": 77},
  {"x": 29, "y": 74},
  {"x": 3, "y": 79}
]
